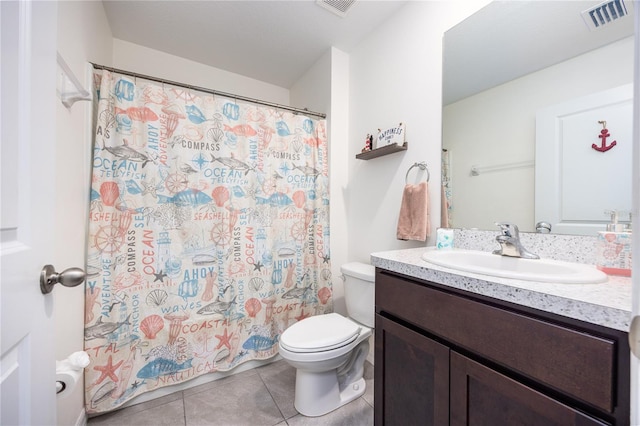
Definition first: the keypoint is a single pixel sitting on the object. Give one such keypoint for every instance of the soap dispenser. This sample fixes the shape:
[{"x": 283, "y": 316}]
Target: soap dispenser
[
  {"x": 614, "y": 226},
  {"x": 613, "y": 247}
]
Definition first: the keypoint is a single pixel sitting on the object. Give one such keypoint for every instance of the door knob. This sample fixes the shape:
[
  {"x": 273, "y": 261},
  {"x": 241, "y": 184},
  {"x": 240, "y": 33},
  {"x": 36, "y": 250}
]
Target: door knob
[{"x": 70, "y": 277}]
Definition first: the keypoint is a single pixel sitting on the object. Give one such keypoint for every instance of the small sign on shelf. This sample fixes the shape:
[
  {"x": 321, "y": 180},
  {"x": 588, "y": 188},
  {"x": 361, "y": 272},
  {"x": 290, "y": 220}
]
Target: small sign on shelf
[{"x": 390, "y": 136}]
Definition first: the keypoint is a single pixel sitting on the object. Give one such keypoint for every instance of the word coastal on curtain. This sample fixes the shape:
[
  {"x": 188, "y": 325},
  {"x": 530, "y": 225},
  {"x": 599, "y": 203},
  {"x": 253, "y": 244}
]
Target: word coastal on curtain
[{"x": 208, "y": 235}]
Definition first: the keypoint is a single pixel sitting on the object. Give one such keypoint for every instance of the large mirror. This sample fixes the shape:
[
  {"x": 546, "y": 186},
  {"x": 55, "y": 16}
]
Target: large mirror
[{"x": 505, "y": 66}]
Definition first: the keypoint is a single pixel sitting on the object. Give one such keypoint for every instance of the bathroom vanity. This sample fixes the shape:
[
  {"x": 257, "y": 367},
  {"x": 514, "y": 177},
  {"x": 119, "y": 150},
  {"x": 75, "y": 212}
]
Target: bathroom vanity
[{"x": 456, "y": 348}]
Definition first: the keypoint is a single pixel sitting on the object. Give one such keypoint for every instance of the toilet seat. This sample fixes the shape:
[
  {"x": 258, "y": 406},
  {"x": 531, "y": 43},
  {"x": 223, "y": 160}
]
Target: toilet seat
[{"x": 320, "y": 333}]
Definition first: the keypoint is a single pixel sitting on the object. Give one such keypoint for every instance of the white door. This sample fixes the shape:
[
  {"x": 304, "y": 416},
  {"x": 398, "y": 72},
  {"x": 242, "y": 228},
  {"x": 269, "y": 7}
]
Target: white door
[
  {"x": 576, "y": 183},
  {"x": 27, "y": 155},
  {"x": 634, "y": 334}
]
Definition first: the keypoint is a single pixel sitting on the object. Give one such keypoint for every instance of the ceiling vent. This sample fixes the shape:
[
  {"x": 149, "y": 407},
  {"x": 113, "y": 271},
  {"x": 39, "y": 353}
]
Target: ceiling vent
[
  {"x": 338, "y": 7},
  {"x": 604, "y": 13}
]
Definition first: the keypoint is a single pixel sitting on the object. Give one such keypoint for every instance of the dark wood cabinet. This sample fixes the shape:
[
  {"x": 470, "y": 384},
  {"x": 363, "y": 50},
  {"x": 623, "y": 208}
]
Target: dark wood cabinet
[
  {"x": 483, "y": 397},
  {"x": 385, "y": 150},
  {"x": 445, "y": 356},
  {"x": 419, "y": 364}
]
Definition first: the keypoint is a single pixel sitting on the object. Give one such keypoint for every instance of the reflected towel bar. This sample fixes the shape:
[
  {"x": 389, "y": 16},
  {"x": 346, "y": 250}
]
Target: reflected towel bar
[{"x": 477, "y": 170}]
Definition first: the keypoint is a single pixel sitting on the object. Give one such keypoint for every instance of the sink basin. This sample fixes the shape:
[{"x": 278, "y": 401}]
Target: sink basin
[{"x": 541, "y": 270}]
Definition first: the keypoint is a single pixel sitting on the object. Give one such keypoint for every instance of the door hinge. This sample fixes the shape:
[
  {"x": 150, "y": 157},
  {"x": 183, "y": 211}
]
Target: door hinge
[{"x": 634, "y": 336}]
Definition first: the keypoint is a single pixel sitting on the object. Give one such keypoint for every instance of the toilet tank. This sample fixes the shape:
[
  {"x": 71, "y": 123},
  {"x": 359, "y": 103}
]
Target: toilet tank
[{"x": 359, "y": 292}]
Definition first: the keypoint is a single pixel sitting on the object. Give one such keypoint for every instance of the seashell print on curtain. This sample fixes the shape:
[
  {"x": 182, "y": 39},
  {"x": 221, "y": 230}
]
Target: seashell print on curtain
[{"x": 208, "y": 235}]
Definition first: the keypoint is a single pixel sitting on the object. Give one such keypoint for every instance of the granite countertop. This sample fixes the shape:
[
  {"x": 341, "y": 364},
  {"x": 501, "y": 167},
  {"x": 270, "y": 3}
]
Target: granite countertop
[{"x": 607, "y": 304}]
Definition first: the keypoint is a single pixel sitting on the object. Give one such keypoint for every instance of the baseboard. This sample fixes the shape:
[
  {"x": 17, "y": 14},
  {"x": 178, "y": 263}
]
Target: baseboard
[{"x": 82, "y": 418}]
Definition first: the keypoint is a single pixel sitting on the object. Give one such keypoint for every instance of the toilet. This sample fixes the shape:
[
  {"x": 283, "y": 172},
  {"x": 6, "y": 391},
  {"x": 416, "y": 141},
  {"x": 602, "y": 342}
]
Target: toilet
[{"x": 329, "y": 351}]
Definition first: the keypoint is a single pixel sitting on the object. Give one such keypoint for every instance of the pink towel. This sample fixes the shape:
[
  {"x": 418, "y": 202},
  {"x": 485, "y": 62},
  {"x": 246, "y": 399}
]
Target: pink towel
[{"x": 414, "y": 222}]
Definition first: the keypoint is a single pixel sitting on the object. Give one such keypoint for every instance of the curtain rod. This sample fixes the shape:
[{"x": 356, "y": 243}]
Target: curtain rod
[{"x": 210, "y": 91}]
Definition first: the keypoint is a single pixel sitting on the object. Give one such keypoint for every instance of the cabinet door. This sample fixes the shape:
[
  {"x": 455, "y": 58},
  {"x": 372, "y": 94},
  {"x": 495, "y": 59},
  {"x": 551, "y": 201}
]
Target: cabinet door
[
  {"x": 483, "y": 397},
  {"x": 411, "y": 377}
]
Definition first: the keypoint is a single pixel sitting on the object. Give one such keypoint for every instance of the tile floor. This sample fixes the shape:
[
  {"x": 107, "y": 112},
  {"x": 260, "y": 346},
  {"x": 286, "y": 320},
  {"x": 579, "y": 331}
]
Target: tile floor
[{"x": 258, "y": 397}]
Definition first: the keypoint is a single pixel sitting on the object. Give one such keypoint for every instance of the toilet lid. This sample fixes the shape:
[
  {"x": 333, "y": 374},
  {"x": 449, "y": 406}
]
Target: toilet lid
[{"x": 320, "y": 333}]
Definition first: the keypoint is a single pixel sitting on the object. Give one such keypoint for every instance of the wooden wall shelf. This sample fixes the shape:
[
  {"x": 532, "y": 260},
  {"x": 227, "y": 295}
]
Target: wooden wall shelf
[{"x": 385, "y": 150}]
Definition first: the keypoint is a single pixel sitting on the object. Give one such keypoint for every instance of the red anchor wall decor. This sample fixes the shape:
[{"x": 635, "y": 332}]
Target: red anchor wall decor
[{"x": 604, "y": 134}]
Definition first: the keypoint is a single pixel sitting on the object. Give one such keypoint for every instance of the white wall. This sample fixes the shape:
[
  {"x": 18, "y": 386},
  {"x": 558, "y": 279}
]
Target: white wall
[
  {"x": 396, "y": 76},
  {"x": 83, "y": 35},
  {"x": 499, "y": 126},
  {"x": 325, "y": 88},
  {"x": 339, "y": 170},
  {"x": 133, "y": 57}
]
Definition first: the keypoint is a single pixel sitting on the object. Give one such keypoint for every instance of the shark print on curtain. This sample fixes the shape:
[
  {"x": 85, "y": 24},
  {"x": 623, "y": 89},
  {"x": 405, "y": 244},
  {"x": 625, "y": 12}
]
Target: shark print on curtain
[{"x": 208, "y": 235}]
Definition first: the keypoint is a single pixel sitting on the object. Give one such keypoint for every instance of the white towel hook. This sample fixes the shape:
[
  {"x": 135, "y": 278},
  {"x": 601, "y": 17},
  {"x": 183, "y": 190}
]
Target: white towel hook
[
  {"x": 422, "y": 166},
  {"x": 68, "y": 87}
]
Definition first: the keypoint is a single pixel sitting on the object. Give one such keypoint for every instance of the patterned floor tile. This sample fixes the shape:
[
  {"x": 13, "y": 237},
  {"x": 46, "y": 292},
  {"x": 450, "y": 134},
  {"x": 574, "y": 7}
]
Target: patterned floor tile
[
  {"x": 169, "y": 414},
  {"x": 260, "y": 397},
  {"x": 355, "y": 413},
  {"x": 280, "y": 380},
  {"x": 237, "y": 403}
]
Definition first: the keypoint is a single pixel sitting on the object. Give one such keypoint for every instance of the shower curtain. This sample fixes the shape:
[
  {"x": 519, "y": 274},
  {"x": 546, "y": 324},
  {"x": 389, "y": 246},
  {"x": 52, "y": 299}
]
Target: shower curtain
[
  {"x": 446, "y": 207},
  {"x": 208, "y": 235}
]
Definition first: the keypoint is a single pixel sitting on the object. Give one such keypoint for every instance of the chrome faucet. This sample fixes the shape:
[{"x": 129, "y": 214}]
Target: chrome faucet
[
  {"x": 510, "y": 245},
  {"x": 543, "y": 227}
]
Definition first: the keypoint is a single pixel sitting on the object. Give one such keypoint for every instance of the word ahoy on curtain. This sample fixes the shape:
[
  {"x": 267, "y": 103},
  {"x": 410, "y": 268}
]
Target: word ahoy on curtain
[{"x": 208, "y": 234}]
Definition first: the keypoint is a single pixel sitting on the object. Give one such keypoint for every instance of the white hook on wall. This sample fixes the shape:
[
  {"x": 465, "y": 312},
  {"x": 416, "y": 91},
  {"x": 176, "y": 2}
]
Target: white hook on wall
[{"x": 68, "y": 87}]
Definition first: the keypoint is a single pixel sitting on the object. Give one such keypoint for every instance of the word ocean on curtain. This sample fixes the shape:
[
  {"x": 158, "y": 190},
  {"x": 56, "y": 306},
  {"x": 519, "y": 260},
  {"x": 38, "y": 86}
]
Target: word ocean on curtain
[{"x": 208, "y": 235}]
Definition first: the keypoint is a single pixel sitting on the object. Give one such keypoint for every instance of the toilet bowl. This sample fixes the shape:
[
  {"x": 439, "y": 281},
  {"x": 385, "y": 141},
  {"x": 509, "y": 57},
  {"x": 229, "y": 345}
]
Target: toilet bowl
[{"x": 329, "y": 351}]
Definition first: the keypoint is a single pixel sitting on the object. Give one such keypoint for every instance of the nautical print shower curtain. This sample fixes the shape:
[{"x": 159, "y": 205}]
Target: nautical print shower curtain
[
  {"x": 446, "y": 210},
  {"x": 208, "y": 235}
]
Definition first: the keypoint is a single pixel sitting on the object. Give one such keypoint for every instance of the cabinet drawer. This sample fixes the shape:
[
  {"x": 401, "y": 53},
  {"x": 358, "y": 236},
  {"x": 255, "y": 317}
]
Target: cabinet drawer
[{"x": 578, "y": 364}]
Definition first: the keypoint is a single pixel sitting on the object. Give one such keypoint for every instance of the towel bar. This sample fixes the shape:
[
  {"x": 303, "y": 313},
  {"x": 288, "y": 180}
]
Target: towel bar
[
  {"x": 422, "y": 166},
  {"x": 477, "y": 170}
]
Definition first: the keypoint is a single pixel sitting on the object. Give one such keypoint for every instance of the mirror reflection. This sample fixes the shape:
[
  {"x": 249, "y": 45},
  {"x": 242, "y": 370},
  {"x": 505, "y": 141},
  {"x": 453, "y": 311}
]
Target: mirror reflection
[{"x": 507, "y": 69}]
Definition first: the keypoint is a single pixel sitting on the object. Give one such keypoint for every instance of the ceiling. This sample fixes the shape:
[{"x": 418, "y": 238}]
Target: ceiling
[
  {"x": 509, "y": 39},
  {"x": 271, "y": 41},
  {"x": 277, "y": 41}
]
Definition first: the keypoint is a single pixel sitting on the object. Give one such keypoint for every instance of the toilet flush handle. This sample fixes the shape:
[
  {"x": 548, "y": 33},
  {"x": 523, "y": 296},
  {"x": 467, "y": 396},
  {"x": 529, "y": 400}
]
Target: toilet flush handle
[{"x": 343, "y": 278}]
